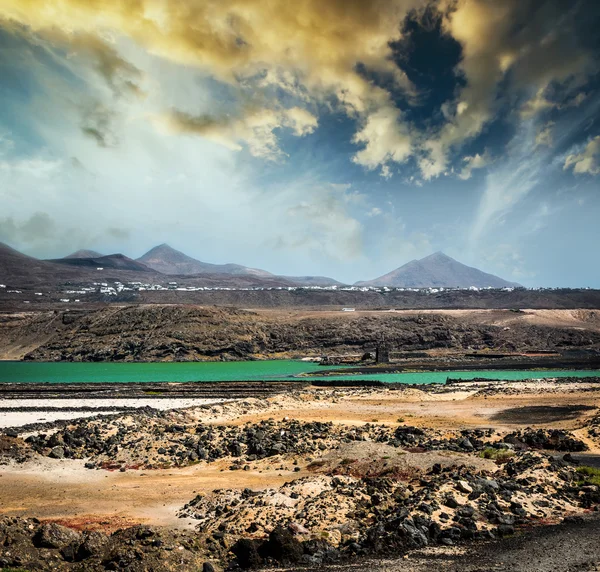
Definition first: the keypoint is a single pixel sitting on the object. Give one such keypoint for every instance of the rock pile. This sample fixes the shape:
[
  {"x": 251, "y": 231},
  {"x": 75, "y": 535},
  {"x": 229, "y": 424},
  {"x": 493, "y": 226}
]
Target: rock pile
[
  {"x": 316, "y": 519},
  {"x": 32, "y": 545},
  {"x": 157, "y": 439},
  {"x": 554, "y": 439}
]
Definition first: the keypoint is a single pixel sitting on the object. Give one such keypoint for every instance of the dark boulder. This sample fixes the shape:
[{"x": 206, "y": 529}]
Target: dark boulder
[
  {"x": 246, "y": 553},
  {"x": 283, "y": 546},
  {"x": 52, "y": 535}
]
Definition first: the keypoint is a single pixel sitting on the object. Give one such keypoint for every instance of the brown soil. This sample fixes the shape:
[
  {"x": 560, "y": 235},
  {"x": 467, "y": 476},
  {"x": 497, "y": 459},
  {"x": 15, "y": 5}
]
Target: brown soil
[{"x": 59, "y": 489}]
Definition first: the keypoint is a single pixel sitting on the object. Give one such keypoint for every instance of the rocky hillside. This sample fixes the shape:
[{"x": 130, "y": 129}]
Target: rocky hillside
[{"x": 170, "y": 332}]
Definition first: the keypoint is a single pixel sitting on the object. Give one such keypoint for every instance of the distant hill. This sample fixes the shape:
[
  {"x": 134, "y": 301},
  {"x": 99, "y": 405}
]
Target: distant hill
[
  {"x": 21, "y": 271},
  {"x": 116, "y": 261},
  {"x": 167, "y": 260},
  {"x": 312, "y": 280},
  {"x": 438, "y": 271},
  {"x": 84, "y": 254},
  {"x": 16, "y": 267}
]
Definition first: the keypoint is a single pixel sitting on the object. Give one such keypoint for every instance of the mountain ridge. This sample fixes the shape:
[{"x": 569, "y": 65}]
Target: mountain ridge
[
  {"x": 116, "y": 261},
  {"x": 435, "y": 270},
  {"x": 167, "y": 260}
]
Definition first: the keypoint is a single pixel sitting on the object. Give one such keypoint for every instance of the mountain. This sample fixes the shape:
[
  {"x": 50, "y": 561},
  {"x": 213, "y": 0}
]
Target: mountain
[
  {"x": 16, "y": 267},
  {"x": 18, "y": 270},
  {"x": 312, "y": 280},
  {"x": 115, "y": 261},
  {"x": 167, "y": 260},
  {"x": 436, "y": 271},
  {"x": 21, "y": 271},
  {"x": 84, "y": 254}
]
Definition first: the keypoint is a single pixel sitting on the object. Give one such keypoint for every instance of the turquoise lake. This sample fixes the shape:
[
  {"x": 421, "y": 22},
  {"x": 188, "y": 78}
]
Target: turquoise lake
[{"x": 97, "y": 372}]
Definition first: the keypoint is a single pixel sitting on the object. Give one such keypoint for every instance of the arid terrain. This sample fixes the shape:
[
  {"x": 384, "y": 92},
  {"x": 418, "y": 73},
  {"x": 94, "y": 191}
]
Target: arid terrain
[
  {"x": 309, "y": 477},
  {"x": 184, "y": 332},
  {"x": 302, "y": 473}
]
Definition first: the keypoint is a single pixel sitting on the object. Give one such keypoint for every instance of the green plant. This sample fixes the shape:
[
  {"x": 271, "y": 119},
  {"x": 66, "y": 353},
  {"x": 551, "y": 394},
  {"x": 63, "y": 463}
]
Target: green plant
[
  {"x": 500, "y": 455},
  {"x": 591, "y": 474},
  {"x": 400, "y": 420}
]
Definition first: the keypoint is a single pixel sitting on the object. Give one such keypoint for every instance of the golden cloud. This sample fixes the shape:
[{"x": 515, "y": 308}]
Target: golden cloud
[
  {"x": 255, "y": 128},
  {"x": 312, "y": 50}
]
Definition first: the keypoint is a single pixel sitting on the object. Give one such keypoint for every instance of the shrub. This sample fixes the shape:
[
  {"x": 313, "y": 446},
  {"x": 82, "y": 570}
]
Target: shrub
[
  {"x": 591, "y": 474},
  {"x": 500, "y": 455}
]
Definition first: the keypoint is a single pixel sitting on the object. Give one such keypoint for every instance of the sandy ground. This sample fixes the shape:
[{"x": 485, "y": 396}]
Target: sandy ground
[
  {"x": 64, "y": 489},
  {"x": 584, "y": 319},
  {"x": 53, "y": 408},
  {"x": 20, "y": 418},
  {"x": 457, "y": 410}
]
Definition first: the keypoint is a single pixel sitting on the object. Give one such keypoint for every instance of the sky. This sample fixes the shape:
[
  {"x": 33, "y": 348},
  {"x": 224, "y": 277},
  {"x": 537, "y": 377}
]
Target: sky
[{"x": 316, "y": 137}]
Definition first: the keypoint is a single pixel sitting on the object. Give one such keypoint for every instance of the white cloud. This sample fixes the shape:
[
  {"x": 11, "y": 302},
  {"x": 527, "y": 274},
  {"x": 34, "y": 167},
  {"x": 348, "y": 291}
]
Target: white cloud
[
  {"x": 586, "y": 162},
  {"x": 473, "y": 162},
  {"x": 322, "y": 223},
  {"x": 544, "y": 136},
  {"x": 385, "y": 138}
]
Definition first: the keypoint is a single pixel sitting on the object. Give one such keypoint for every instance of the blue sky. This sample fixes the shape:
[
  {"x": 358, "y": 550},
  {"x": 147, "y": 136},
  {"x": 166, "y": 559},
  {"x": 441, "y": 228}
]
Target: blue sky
[{"x": 339, "y": 138}]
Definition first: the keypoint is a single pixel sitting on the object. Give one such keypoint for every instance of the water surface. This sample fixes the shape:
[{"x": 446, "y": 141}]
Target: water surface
[{"x": 97, "y": 372}]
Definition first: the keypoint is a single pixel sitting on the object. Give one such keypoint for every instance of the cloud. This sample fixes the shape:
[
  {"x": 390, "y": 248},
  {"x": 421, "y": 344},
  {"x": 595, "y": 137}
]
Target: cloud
[
  {"x": 37, "y": 228},
  {"x": 255, "y": 128},
  {"x": 509, "y": 182},
  {"x": 120, "y": 75},
  {"x": 537, "y": 104},
  {"x": 307, "y": 50},
  {"x": 473, "y": 162},
  {"x": 291, "y": 59},
  {"x": 502, "y": 41},
  {"x": 97, "y": 124},
  {"x": 41, "y": 235},
  {"x": 6, "y": 142},
  {"x": 586, "y": 162},
  {"x": 36, "y": 167},
  {"x": 386, "y": 139},
  {"x": 322, "y": 223},
  {"x": 544, "y": 135},
  {"x": 509, "y": 261},
  {"x": 118, "y": 233}
]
